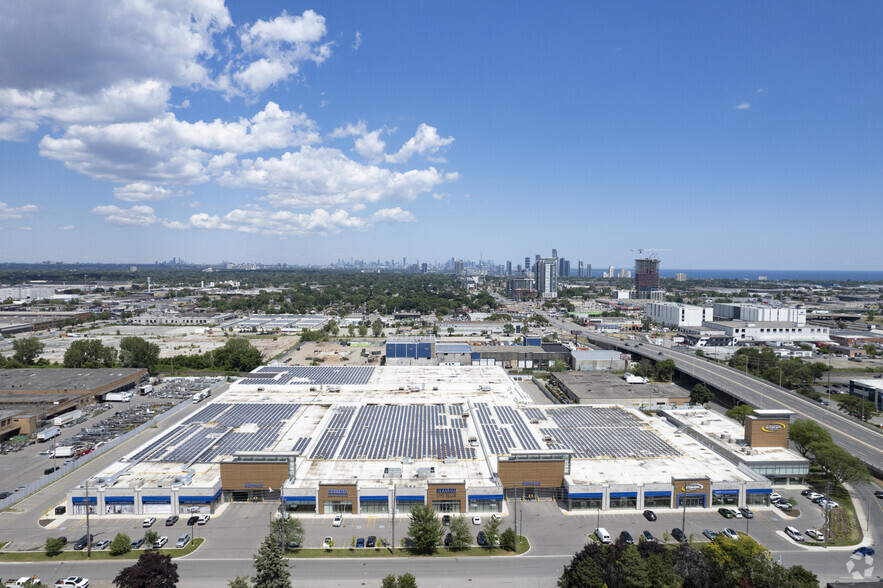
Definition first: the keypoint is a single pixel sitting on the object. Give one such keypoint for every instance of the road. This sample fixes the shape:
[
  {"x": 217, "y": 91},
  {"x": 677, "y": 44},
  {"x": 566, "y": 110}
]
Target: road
[{"x": 858, "y": 439}]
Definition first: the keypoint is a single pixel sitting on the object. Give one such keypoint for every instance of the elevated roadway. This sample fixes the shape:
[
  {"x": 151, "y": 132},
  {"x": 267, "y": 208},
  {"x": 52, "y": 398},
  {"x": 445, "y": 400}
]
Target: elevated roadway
[{"x": 860, "y": 440}]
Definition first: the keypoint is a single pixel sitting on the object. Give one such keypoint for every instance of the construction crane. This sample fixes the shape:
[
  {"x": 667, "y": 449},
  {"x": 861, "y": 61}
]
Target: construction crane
[{"x": 652, "y": 252}]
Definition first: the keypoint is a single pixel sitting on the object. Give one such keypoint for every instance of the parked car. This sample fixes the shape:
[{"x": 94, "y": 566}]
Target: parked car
[
  {"x": 746, "y": 512},
  {"x": 371, "y": 542},
  {"x": 338, "y": 520},
  {"x": 710, "y": 534},
  {"x": 496, "y": 517},
  {"x": 82, "y": 541},
  {"x": 725, "y": 512},
  {"x": 5, "y": 495},
  {"x": 72, "y": 582},
  {"x": 48, "y": 471},
  {"x": 137, "y": 543},
  {"x": 794, "y": 534},
  {"x": 815, "y": 534},
  {"x": 730, "y": 533},
  {"x": 148, "y": 522},
  {"x": 879, "y": 493},
  {"x": 183, "y": 540},
  {"x": 102, "y": 544},
  {"x": 327, "y": 542},
  {"x": 818, "y": 498},
  {"x": 650, "y": 515},
  {"x": 480, "y": 539},
  {"x": 775, "y": 496},
  {"x": 360, "y": 542},
  {"x": 814, "y": 496},
  {"x": 864, "y": 550},
  {"x": 678, "y": 535},
  {"x": 172, "y": 520},
  {"x": 160, "y": 542},
  {"x": 627, "y": 537},
  {"x": 203, "y": 519},
  {"x": 476, "y": 520},
  {"x": 829, "y": 504},
  {"x": 648, "y": 536},
  {"x": 192, "y": 520},
  {"x": 783, "y": 504}
]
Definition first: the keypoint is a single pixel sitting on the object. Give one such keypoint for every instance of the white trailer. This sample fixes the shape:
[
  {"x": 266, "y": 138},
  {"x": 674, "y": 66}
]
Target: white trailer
[
  {"x": 633, "y": 379},
  {"x": 67, "y": 417},
  {"x": 117, "y": 397},
  {"x": 67, "y": 451},
  {"x": 146, "y": 389},
  {"x": 48, "y": 433}
]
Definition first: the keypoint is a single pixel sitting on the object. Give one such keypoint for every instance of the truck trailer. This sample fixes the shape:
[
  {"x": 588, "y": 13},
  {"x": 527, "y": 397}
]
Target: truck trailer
[
  {"x": 48, "y": 433},
  {"x": 66, "y": 451},
  {"x": 117, "y": 397},
  {"x": 67, "y": 417}
]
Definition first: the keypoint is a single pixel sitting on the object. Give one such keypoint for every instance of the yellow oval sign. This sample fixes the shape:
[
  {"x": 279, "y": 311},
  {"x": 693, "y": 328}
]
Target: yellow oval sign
[{"x": 772, "y": 427}]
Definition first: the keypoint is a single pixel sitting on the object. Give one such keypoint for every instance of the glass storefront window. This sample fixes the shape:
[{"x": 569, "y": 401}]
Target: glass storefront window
[
  {"x": 624, "y": 502},
  {"x": 195, "y": 508},
  {"x": 759, "y": 499},
  {"x": 304, "y": 507},
  {"x": 405, "y": 506},
  {"x": 657, "y": 501},
  {"x": 338, "y": 506},
  {"x": 586, "y": 504},
  {"x": 373, "y": 506},
  {"x": 448, "y": 506},
  {"x": 80, "y": 509},
  {"x": 724, "y": 499},
  {"x": 120, "y": 508},
  {"x": 481, "y": 505}
]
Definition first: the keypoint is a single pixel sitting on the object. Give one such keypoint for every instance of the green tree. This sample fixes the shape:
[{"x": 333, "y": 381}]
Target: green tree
[
  {"x": 151, "y": 537},
  {"x": 492, "y": 532},
  {"x": 737, "y": 559},
  {"x": 701, "y": 394},
  {"x": 739, "y": 413},
  {"x": 152, "y": 570},
  {"x": 389, "y": 582},
  {"x": 237, "y": 355},
  {"x": 631, "y": 569},
  {"x": 135, "y": 352},
  {"x": 406, "y": 580},
  {"x": 271, "y": 569},
  {"x": 363, "y": 329},
  {"x": 508, "y": 329},
  {"x": 665, "y": 370},
  {"x": 121, "y": 544},
  {"x": 700, "y": 352},
  {"x": 839, "y": 463},
  {"x": 425, "y": 529},
  {"x": 557, "y": 366},
  {"x": 508, "y": 540},
  {"x": 54, "y": 545},
  {"x": 377, "y": 328},
  {"x": 27, "y": 350},
  {"x": 351, "y": 329},
  {"x": 805, "y": 432},
  {"x": 857, "y": 405},
  {"x": 238, "y": 582},
  {"x": 586, "y": 568},
  {"x": 287, "y": 531},
  {"x": 460, "y": 532},
  {"x": 90, "y": 354}
]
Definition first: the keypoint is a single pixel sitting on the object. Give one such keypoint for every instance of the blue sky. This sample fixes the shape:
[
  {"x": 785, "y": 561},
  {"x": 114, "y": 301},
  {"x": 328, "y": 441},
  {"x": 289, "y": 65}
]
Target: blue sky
[{"x": 736, "y": 135}]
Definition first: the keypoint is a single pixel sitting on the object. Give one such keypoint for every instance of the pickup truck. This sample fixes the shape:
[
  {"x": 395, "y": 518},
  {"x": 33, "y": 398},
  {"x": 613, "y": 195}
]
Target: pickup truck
[{"x": 23, "y": 581}]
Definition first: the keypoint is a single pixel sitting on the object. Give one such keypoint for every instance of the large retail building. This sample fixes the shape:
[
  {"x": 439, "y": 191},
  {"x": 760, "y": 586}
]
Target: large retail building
[{"x": 460, "y": 438}]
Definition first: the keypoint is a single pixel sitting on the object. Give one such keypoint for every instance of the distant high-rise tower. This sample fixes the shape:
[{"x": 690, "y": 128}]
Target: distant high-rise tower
[
  {"x": 508, "y": 268},
  {"x": 554, "y": 253},
  {"x": 458, "y": 268},
  {"x": 646, "y": 277},
  {"x": 579, "y": 269},
  {"x": 680, "y": 277},
  {"x": 610, "y": 273},
  {"x": 527, "y": 264},
  {"x": 547, "y": 278}
]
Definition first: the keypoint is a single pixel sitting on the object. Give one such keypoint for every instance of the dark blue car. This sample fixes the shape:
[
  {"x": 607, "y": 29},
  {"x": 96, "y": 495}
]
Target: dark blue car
[{"x": 864, "y": 551}]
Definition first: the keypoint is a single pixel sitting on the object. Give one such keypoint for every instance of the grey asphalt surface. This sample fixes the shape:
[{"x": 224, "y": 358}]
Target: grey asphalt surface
[{"x": 859, "y": 440}]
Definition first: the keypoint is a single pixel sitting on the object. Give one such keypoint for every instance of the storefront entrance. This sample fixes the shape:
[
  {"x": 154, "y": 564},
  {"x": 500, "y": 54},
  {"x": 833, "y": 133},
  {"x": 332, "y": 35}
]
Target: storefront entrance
[{"x": 691, "y": 501}]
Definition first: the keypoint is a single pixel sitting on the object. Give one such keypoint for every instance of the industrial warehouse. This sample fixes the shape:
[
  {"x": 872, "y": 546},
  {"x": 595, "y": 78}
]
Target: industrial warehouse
[{"x": 365, "y": 440}]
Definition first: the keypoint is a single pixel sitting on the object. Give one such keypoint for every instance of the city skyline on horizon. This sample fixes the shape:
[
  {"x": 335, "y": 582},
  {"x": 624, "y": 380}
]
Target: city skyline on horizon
[{"x": 250, "y": 133}]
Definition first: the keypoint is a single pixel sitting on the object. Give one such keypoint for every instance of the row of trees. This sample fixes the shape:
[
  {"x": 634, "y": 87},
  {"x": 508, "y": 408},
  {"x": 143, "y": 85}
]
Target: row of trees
[
  {"x": 814, "y": 442},
  {"x": 764, "y": 363},
  {"x": 236, "y": 355},
  {"x": 427, "y": 532},
  {"x": 723, "y": 562}
]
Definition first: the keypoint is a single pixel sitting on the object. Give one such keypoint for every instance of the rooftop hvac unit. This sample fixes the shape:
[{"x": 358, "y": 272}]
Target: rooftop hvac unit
[
  {"x": 425, "y": 472},
  {"x": 450, "y": 460},
  {"x": 547, "y": 438},
  {"x": 407, "y": 460},
  {"x": 534, "y": 421},
  {"x": 392, "y": 472}
]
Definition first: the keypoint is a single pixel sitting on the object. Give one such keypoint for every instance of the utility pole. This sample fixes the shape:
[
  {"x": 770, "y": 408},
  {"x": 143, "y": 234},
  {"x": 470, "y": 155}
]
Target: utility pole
[
  {"x": 88, "y": 533},
  {"x": 394, "y": 503},
  {"x": 684, "y": 518},
  {"x": 515, "y": 507}
]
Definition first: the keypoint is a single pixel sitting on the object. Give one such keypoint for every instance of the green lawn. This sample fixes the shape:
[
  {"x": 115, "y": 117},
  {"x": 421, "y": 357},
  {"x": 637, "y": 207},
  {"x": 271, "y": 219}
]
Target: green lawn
[
  {"x": 844, "y": 525},
  {"x": 70, "y": 555},
  {"x": 339, "y": 552}
]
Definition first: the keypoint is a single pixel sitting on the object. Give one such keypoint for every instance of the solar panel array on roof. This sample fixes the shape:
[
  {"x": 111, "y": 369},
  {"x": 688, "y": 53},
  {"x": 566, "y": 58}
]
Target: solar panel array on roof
[
  {"x": 499, "y": 435},
  {"x": 393, "y": 431},
  {"x": 603, "y": 432},
  {"x": 333, "y": 433},
  {"x": 165, "y": 439},
  {"x": 270, "y": 322},
  {"x": 313, "y": 375},
  {"x": 534, "y": 413},
  {"x": 508, "y": 415},
  {"x": 452, "y": 348},
  {"x": 301, "y": 444}
]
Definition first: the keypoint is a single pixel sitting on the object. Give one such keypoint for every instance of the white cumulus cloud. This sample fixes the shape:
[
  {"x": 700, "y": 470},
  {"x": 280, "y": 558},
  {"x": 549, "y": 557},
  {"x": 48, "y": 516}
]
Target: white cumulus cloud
[
  {"x": 357, "y": 42},
  {"x": 7, "y": 212},
  {"x": 742, "y": 106},
  {"x": 425, "y": 140},
  {"x": 137, "y": 216}
]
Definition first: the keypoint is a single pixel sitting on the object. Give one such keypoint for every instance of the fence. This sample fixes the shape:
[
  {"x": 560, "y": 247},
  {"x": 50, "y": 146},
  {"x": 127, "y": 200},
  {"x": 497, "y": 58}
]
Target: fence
[{"x": 19, "y": 495}]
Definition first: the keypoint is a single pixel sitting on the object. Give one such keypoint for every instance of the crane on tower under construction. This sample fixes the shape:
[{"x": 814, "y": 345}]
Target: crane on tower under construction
[{"x": 652, "y": 252}]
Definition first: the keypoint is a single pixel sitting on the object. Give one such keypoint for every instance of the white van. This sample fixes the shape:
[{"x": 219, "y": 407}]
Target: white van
[
  {"x": 794, "y": 533},
  {"x": 602, "y": 535}
]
